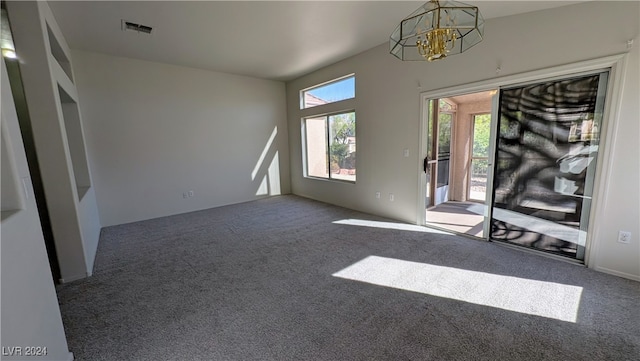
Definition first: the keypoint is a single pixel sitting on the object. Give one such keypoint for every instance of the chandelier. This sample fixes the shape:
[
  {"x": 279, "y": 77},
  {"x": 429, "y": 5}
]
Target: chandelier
[{"x": 437, "y": 29}]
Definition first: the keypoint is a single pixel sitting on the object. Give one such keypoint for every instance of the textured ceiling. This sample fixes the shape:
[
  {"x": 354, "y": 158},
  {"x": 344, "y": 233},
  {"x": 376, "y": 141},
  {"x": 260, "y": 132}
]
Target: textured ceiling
[{"x": 267, "y": 39}]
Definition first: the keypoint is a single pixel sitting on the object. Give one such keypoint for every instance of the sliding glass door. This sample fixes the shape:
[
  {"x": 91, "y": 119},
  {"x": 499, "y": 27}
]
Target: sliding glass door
[{"x": 546, "y": 151}]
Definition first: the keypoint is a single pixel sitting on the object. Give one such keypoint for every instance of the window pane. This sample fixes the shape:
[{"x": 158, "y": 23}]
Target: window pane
[
  {"x": 481, "y": 130},
  {"x": 329, "y": 93},
  {"x": 430, "y": 130},
  {"x": 478, "y": 186},
  {"x": 444, "y": 148},
  {"x": 444, "y": 135},
  {"x": 316, "y": 145},
  {"x": 342, "y": 137},
  {"x": 547, "y": 148}
]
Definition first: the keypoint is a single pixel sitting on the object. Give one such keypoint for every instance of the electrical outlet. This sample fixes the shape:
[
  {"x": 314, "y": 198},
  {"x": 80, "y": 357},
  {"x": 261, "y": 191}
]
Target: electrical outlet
[
  {"x": 185, "y": 195},
  {"x": 624, "y": 237},
  {"x": 391, "y": 197},
  {"x": 190, "y": 194},
  {"x": 405, "y": 152},
  {"x": 378, "y": 195}
]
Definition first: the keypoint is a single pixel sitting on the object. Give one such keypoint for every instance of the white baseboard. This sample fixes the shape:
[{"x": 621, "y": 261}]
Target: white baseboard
[{"x": 618, "y": 273}]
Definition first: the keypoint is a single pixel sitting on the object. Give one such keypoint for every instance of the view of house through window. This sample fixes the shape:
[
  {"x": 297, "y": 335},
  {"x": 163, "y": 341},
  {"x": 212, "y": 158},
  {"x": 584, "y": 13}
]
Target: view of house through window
[
  {"x": 330, "y": 143},
  {"x": 331, "y": 92},
  {"x": 329, "y": 140}
]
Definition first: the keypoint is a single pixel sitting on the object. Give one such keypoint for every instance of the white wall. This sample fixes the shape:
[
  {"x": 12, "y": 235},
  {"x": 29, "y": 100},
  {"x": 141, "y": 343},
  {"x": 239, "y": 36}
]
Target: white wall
[
  {"x": 89, "y": 227},
  {"x": 621, "y": 205},
  {"x": 388, "y": 113},
  {"x": 154, "y": 131},
  {"x": 58, "y": 141},
  {"x": 30, "y": 312}
]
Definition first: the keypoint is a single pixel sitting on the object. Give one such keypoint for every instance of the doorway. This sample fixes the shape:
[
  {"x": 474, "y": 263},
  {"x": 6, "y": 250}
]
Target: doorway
[
  {"x": 521, "y": 170},
  {"x": 457, "y": 161}
]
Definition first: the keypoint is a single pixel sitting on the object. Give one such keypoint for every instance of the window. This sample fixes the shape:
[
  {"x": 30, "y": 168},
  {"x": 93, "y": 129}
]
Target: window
[
  {"x": 479, "y": 157},
  {"x": 330, "y": 146},
  {"x": 331, "y": 92},
  {"x": 329, "y": 139}
]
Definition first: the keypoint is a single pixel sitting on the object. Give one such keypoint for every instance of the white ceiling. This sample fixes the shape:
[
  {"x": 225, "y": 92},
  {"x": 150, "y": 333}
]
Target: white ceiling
[{"x": 267, "y": 39}]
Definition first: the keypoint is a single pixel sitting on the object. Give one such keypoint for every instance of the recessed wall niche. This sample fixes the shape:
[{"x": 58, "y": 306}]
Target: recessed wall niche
[
  {"x": 75, "y": 142},
  {"x": 59, "y": 54}
]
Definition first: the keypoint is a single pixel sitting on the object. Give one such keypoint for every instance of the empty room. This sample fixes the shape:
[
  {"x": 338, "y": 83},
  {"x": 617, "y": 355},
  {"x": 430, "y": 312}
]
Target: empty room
[{"x": 320, "y": 180}]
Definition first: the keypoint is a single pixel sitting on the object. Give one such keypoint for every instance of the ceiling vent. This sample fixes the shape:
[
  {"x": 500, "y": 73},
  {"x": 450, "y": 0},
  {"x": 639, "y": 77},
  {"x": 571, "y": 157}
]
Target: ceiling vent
[{"x": 139, "y": 28}]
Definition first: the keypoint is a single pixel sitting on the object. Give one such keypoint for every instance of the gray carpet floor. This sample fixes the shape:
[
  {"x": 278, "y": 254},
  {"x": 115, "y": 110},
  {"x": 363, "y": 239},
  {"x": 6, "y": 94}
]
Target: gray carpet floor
[{"x": 254, "y": 281}]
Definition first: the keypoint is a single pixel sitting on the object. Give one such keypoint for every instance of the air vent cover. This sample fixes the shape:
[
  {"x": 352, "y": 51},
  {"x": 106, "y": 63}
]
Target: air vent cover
[{"x": 131, "y": 26}]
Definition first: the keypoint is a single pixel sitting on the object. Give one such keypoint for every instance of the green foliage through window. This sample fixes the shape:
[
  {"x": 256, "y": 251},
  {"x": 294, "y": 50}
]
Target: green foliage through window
[
  {"x": 481, "y": 134},
  {"x": 330, "y": 143}
]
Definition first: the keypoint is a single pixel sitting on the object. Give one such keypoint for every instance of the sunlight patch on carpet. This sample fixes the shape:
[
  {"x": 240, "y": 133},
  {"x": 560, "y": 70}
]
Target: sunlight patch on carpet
[
  {"x": 390, "y": 225},
  {"x": 532, "y": 297}
]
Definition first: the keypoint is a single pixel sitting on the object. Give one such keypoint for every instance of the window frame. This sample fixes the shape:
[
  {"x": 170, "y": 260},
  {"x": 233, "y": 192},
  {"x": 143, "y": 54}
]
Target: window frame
[
  {"x": 327, "y": 139},
  {"x": 320, "y": 85}
]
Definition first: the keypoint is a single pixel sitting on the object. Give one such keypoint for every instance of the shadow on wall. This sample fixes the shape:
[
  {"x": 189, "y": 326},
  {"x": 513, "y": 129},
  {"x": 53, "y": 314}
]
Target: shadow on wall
[{"x": 270, "y": 180}]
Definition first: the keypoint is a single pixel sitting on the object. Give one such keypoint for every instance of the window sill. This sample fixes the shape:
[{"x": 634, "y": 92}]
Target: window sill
[{"x": 334, "y": 180}]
